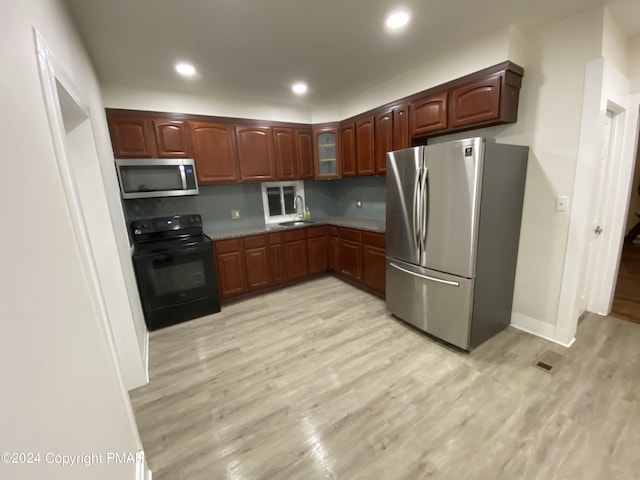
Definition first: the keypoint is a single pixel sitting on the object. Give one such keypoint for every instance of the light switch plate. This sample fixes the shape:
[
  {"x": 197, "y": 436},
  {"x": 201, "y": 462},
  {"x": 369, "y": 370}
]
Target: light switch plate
[
  {"x": 235, "y": 214},
  {"x": 562, "y": 203}
]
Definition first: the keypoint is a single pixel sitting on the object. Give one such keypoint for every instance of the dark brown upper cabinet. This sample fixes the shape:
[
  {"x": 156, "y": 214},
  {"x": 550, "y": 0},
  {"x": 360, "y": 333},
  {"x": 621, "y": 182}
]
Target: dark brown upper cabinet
[
  {"x": 391, "y": 131},
  {"x": 214, "y": 152},
  {"x": 173, "y": 138},
  {"x": 428, "y": 114},
  {"x": 232, "y": 150},
  {"x": 475, "y": 102},
  {"x": 348, "y": 149},
  {"x": 285, "y": 152},
  {"x": 326, "y": 148},
  {"x": 384, "y": 139},
  {"x": 304, "y": 152},
  {"x": 365, "y": 146},
  {"x": 255, "y": 153},
  {"x": 132, "y": 137}
]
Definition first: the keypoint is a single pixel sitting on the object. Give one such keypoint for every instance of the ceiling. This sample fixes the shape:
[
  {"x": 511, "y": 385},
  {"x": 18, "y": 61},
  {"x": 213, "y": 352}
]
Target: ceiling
[{"x": 258, "y": 48}]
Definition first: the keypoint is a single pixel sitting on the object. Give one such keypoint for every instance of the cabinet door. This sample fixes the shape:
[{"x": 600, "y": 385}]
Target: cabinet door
[
  {"x": 276, "y": 261},
  {"x": 231, "y": 278},
  {"x": 317, "y": 248},
  {"x": 304, "y": 153},
  {"x": 214, "y": 152},
  {"x": 384, "y": 139},
  {"x": 132, "y": 137},
  {"x": 350, "y": 259},
  {"x": 475, "y": 102},
  {"x": 373, "y": 267},
  {"x": 365, "y": 146},
  {"x": 257, "y": 265},
  {"x": 428, "y": 115},
  {"x": 326, "y": 152},
  {"x": 401, "y": 137},
  {"x": 296, "y": 259},
  {"x": 173, "y": 138},
  {"x": 348, "y": 150},
  {"x": 255, "y": 153},
  {"x": 285, "y": 152}
]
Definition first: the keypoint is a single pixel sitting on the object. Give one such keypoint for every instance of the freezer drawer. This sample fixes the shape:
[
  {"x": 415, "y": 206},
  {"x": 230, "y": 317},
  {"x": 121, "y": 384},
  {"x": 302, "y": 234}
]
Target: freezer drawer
[{"x": 434, "y": 302}]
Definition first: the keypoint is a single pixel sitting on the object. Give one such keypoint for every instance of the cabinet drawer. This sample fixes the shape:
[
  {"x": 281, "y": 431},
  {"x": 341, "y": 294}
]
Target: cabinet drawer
[
  {"x": 227, "y": 246},
  {"x": 291, "y": 235},
  {"x": 254, "y": 241},
  {"x": 349, "y": 234},
  {"x": 332, "y": 230},
  {"x": 319, "y": 231},
  {"x": 275, "y": 238},
  {"x": 373, "y": 239}
]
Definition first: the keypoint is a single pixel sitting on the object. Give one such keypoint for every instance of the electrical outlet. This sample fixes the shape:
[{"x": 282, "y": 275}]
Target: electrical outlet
[
  {"x": 235, "y": 214},
  {"x": 562, "y": 203},
  {"x": 358, "y": 204}
]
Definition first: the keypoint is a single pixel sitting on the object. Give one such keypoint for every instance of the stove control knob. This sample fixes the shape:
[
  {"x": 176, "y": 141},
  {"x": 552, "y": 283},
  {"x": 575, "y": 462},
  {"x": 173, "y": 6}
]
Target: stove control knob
[{"x": 137, "y": 231}]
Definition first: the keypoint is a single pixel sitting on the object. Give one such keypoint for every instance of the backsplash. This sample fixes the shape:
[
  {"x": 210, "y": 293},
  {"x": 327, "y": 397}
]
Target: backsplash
[
  {"x": 323, "y": 198},
  {"x": 338, "y": 197}
]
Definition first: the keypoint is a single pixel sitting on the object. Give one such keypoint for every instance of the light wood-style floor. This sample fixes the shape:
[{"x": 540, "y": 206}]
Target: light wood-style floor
[{"x": 319, "y": 382}]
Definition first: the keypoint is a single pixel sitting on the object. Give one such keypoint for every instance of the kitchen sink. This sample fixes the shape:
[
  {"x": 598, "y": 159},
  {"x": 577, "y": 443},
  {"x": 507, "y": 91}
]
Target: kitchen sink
[{"x": 294, "y": 223}]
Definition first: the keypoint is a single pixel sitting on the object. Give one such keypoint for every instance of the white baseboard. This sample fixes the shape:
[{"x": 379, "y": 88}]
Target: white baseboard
[
  {"x": 146, "y": 356},
  {"x": 538, "y": 328}
]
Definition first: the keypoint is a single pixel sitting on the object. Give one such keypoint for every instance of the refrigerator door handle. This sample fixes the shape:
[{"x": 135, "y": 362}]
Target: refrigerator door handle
[
  {"x": 417, "y": 201},
  {"x": 425, "y": 277},
  {"x": 424, "y": 194}
]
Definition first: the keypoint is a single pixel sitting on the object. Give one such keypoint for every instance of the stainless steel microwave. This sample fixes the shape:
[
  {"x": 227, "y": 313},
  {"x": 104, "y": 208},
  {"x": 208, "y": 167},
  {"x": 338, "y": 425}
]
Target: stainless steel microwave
[{"x": 146, "y": 178}]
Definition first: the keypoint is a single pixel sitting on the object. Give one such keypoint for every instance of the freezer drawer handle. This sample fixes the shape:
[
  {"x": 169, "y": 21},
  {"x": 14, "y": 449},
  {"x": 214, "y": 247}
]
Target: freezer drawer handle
[{"x": 432, "y": 279}]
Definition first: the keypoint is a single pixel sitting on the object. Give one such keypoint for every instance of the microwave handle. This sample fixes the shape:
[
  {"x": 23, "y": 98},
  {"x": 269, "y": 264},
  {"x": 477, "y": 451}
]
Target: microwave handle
[{"x": 183, "y": 177}]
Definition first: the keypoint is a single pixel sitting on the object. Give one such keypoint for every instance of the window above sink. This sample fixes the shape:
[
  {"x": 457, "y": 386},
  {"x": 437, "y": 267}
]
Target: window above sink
[{"x": 279, "y": 201}]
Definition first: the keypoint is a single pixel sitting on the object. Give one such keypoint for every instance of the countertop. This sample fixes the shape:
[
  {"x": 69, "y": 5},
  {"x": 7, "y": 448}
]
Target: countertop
[{"x": 351, "y": 222}]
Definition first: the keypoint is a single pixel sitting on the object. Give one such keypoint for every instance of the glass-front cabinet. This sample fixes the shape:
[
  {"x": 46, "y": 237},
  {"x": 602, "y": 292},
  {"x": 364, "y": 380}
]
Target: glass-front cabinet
[{"x": 326, "y": 152}]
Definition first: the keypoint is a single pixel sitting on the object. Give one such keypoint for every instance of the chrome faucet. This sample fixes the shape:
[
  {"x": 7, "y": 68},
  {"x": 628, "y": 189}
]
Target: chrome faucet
[{"x": 301, "y": 211}]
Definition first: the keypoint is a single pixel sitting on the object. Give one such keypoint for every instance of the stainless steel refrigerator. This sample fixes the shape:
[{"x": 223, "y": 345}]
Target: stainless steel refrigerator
[{"x": 452, "y": 229}]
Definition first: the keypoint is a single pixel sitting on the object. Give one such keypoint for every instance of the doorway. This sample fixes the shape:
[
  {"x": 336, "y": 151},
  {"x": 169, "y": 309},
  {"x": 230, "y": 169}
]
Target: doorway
[{"x": 626, "y": 298}]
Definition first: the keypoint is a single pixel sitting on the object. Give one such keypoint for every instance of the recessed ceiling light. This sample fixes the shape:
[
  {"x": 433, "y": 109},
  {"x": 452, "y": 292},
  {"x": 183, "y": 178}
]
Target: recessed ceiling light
[
  {"x": 299, "y": 88},
  {"x": 397, "y": 20},
  {"x": 185, "y": 69}
]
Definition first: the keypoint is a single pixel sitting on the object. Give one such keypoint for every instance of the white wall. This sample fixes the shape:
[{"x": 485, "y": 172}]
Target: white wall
[
  {"x": 134, "y": 98},
  {"x": 633, "y": 62},
  {"x": 62, "y": 392},
  {"x": 481, "y": 53},
  {"x": 614, "y": 43}
]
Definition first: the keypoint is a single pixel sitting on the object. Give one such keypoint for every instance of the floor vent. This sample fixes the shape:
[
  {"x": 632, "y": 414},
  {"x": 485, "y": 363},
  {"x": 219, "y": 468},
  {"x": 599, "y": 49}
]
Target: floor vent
[{"x": 548, "y": 361}]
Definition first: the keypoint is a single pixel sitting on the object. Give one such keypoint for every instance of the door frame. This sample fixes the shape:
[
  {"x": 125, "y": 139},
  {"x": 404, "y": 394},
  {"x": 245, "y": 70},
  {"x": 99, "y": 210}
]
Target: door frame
[
  {"x": 53, "y": 76},
  {"x": 605, "y": 88}
]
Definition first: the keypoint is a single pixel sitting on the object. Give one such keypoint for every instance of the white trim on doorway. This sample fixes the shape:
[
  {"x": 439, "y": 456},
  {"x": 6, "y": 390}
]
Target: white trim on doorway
[
  {"x": 67, "y": 111},
  {"x": 605, "y": 89}
]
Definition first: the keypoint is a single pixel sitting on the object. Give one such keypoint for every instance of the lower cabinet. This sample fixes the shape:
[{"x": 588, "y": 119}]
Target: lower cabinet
[
  {"x": 256, "y": 258},
  {"x": 332, "y": 248},
  {"x": 349, "y": 253},
  {"x": 373, "y": 261},
  {"x": 276, "y": 257},
  {"x": 230, "y": 263},
  {"x": 255, "y": 262},
  {"x": 295, "y": 254},
  {"x": 317, "y": 249}
]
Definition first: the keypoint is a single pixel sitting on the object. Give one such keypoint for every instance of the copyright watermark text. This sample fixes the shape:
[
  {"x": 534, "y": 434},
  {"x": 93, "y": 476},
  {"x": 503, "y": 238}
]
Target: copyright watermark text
[{"x": 70, "y": 460}]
